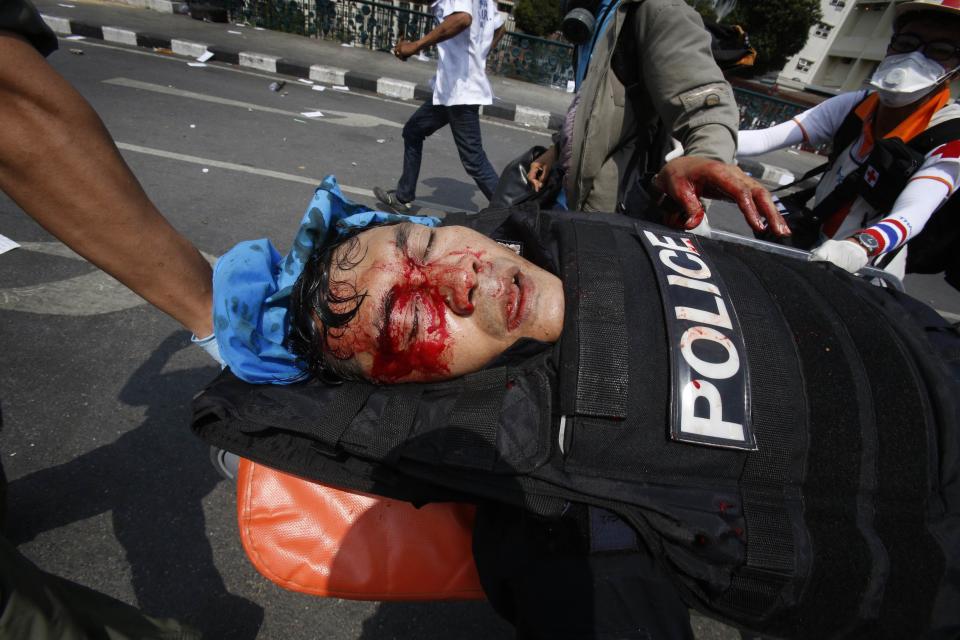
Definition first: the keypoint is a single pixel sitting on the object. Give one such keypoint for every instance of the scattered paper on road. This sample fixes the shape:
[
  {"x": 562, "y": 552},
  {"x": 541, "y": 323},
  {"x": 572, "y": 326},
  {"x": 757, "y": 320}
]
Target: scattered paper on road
[
  {"x": 6, "y": 244},
  {"x": 380, "y": 141},
  {"x": 304, "y": 81},
  {"x": 347, "y": 44},
  {"x": 75, "y": 37},
  {"x": 68, "y": 6},
  {"x": 341, "y": 87},
  {"x": 76, "y": 52},
  {"x": 196, "y": 64},
  {"x": 259, "y": 29},
  {"x": 312, "y": 114},
  {"x": 300, "y": 121},
  {"x": 205, "y": 170},
  {"x": 318, "y": 87},
  {"x": 206, "y": 55},
  {"x": 236, "y": 33}
]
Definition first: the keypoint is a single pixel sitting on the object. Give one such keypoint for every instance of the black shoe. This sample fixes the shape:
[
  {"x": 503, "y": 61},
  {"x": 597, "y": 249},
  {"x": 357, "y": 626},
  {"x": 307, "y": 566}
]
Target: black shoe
[
  {"x": 389, "y": 199},
  {"x": 225, "y": 463}
]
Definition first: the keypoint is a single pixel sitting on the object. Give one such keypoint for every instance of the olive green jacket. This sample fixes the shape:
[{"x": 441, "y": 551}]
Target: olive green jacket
[{"x": 679, "y": 83}]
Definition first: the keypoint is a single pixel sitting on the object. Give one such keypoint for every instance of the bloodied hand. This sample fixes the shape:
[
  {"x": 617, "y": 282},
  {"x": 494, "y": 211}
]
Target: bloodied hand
[
  {"x": 439, "y": 302},
  {"x": 687, "y": 179}
]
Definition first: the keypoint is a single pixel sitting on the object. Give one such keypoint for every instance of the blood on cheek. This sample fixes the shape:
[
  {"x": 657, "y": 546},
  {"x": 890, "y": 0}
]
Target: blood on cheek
[{"x": 396, "y": 353}]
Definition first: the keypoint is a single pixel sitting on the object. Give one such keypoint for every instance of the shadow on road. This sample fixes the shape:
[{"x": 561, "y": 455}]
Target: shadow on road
[
  {"x": 152, "y": 479},
  {"x": 453, "y": 195}
]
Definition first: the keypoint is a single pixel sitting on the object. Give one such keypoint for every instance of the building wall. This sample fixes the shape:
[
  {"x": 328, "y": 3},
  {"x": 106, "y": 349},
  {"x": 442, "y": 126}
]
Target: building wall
[{"x": 845, "y": 58}]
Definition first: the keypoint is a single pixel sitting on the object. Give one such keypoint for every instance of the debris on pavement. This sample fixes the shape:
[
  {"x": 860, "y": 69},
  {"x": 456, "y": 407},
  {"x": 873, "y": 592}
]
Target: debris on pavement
[
  {"x": 66, "y": 6},
  {"x": 318, "y": 87},
  {"x": 193, "y": 126},
  {"x": 196, "y": 64},
  {"x": 300, "y": 121},
  {"x": 312, "y": 114},
  {"x": 163, "y": 50},
  {"x": 341, "y": 87},
  {"x": 353, "y": 164},
  {"x": 205, "y": 170},
  {"x": 304, "y": 80},
  {"x": 236, "y": 33},
  {"x": 276, "y": 86},
  {"x": 75, "y": 37},
  {"x": 206, "y": 55},
  {"x": 380, "y": 140},
  {"x": 78, "y": 52}
]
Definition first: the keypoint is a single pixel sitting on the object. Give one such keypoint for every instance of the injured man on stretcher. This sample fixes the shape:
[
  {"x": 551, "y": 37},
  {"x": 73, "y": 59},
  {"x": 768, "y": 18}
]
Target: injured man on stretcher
[{"x": 648, "y": 421}]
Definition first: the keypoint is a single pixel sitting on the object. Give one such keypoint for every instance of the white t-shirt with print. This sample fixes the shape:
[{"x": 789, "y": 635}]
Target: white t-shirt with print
[{"x": 461, "y": 70}]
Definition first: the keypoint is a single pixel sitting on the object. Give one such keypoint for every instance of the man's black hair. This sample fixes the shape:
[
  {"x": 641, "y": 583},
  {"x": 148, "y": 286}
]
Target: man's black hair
[{"x": 321, "y": 309}]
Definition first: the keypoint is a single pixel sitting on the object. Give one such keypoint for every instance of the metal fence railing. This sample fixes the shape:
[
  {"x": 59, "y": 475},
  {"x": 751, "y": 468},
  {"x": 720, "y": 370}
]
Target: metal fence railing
[
  {"x": 537, "y": 60},
  {"x": 379, "y": 25},
  {"x": 758, "y": 111}
]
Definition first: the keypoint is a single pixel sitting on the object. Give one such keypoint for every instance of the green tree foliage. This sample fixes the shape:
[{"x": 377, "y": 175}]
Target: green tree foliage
[
  {"x": 777, "y": 28},
  {"x": 537, "y": 17}
]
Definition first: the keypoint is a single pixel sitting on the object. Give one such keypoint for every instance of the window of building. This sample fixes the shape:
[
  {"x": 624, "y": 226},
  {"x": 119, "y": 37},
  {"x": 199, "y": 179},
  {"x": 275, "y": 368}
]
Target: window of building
[
  {"x": 822, "y": 30},
  {"x": 838, "y": 4},
  {"x": 804, "y": 65}
]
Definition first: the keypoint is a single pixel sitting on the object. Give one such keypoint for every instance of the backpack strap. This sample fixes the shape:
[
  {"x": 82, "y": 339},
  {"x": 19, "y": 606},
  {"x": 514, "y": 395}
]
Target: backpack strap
[{"x": 935, "y": 136}]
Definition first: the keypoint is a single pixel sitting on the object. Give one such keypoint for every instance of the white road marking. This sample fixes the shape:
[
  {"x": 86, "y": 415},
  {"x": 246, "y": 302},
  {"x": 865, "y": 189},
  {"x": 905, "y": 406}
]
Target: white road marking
[
  {"x": 209, "y": 162},
  {"x": 222, "y": 66},
  {"x": 434, "y": 208},
  {"x": 344, "y": 118},
  {"x": 90, "y": 294}
]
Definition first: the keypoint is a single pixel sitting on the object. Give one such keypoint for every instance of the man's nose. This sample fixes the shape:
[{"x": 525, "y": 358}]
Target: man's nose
[{"x": 456, "y": 282}]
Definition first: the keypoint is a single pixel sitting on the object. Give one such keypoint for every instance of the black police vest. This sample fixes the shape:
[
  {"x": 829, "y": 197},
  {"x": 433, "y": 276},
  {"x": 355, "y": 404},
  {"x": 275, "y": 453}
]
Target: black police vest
[{"x": 768, "y": 426}]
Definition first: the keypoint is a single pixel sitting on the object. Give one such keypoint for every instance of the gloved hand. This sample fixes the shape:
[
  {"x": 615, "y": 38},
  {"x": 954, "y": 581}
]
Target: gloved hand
[
  {"x": 846, "y": 254},
  {"x": 209, "y": 344}
]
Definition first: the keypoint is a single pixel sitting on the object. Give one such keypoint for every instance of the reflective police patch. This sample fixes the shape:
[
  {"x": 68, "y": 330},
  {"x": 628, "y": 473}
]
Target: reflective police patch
[{"x": 710, "y": 397}]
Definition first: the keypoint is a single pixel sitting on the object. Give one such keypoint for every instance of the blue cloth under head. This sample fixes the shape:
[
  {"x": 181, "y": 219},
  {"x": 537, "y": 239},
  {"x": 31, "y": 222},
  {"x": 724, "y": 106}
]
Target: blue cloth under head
[{"x": 252, "y": 283}]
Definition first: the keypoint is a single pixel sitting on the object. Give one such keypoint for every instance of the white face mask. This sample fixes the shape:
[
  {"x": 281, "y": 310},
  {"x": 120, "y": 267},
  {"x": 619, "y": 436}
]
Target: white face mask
[{"x": 906, "y": 77}]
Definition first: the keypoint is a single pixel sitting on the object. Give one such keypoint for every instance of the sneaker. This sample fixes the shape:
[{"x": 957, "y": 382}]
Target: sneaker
[
  {"x": 389, "y": 199},
  {"x": 227, "y": 464}
]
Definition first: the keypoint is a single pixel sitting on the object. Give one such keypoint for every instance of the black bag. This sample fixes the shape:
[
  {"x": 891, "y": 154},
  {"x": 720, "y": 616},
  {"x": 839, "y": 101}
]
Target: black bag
[{"x": 514, "y": 189}]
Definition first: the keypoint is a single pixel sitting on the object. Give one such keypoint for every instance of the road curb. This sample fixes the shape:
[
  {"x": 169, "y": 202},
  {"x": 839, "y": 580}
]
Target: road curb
[{"x": 521, "y": 115}]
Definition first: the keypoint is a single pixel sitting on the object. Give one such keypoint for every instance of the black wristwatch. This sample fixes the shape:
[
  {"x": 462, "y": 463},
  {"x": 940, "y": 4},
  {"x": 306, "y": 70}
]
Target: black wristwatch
[{"x": 866, "y": 241}]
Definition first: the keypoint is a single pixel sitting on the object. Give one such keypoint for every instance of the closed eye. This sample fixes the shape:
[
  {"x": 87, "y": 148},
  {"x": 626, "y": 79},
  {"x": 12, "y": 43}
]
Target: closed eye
[{"x": 426, "y": 249}]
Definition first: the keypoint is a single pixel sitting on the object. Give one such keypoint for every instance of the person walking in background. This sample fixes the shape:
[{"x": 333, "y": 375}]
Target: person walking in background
[{"x": 465, "y": 35}]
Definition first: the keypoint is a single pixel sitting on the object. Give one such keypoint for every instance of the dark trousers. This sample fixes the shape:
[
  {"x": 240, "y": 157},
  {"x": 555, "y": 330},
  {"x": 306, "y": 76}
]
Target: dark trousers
[
  {"x": 464, "y": 121},
  {"x": 539, "y": 576}
]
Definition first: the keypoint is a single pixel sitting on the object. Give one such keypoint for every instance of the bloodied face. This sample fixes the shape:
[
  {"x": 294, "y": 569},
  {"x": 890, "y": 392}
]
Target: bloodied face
[{"x": 439, "y": 303}]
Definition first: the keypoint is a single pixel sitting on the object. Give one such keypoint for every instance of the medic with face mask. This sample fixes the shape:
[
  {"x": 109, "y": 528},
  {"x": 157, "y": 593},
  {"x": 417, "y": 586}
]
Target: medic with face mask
[{"x": 896, "y": 145}]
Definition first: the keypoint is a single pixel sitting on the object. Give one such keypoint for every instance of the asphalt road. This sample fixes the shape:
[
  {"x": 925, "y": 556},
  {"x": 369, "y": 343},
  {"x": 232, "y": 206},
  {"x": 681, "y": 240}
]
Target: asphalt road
[{"x": 108, "y": 485}]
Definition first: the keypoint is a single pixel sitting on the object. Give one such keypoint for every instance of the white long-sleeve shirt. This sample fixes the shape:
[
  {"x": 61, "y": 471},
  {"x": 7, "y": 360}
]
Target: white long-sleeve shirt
[{"x": 935, "y": 180}]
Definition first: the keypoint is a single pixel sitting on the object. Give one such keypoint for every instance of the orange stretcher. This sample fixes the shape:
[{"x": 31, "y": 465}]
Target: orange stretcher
[{"x": 313, "y": 538}]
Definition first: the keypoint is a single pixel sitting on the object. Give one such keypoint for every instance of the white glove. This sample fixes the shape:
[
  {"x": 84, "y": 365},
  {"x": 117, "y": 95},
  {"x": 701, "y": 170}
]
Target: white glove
[
  {"x": 846, "y": 254},
  {"x": 209, "y": 344}
]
